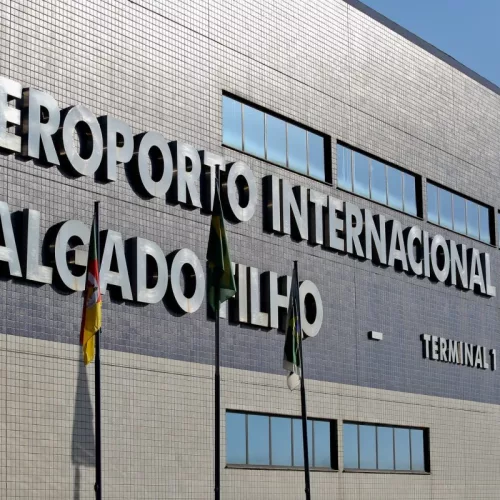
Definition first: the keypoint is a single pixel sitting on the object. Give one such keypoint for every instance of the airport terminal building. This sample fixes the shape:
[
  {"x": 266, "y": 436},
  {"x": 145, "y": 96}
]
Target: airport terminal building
[{"x": 345, "y": 143}]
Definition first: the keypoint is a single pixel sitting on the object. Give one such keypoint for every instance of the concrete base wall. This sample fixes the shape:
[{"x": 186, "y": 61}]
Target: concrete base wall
[{"x": 158, "y": 431}]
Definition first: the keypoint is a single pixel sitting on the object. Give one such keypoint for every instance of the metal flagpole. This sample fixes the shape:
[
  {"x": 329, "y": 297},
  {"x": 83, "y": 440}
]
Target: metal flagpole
[
  {"x": 98, "y": 464},
  {"x": 303, "y": 406},
  {"x": 217, "y": 378}
]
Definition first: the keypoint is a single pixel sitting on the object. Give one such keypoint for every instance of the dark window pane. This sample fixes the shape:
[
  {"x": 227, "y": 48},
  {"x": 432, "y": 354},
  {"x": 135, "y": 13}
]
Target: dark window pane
[
  {"x": 344, "y": 173},
  {"x": 322, "y": 451},
  {"x": 361, "y": 174},
  {"x": 253, "y": 131},
  {"x": 459, "y": 214},
  {"x": 410, "y": 194},
  {"x": 484, "y": 224},
  {"x": 231, "y": 123},
  {"x": 385, "y": 448},
  {"x": 281, "y": 441},
  {"x": 236, "y": 452},
  {"x": 378, "y": 182},
  {"x": 445, "y": 218},
  {"x": 297, "y": 149},
  {"x": 432, "y": 203},
  {"x": 258, "y": 439},
  {"x": 298, "y": 444},
  {"x": 367, "y": 447},
  {"x": 351, "y": 446},
  {"x": 276, "y": 140},
  {"x": 402, "y": 441},
  {"x": 395, "y": 188},
  {"x": 417, "y": 450},
  {"x": 472, "y": 219},
  {"x": 316, "y": 149}
]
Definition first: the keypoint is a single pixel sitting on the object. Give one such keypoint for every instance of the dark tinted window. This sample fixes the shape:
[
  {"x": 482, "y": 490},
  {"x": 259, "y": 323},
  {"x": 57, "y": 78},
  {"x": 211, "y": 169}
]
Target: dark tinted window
[
  {"x": 376, "y": 180},
  {"x": 256, "y": 439},
  {"x": 261, "y": 134},
  {"x": 381, "y": 447}
]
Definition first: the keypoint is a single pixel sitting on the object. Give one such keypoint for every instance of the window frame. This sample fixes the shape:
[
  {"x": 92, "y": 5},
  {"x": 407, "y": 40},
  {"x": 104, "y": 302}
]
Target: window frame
[
  {"x": 426, "y": 449},
  {"x": 404, "y": 172},
  {"x": 490, "y": 210},
  {"x": 327, "y": 142},
  {"x": 333, "y": 443}
]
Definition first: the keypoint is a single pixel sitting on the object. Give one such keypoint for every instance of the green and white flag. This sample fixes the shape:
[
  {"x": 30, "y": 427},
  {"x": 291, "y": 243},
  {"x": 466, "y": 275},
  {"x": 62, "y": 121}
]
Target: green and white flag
[
  {"x": 291, "y": 358},
  {"x": 220, "y": 280}
]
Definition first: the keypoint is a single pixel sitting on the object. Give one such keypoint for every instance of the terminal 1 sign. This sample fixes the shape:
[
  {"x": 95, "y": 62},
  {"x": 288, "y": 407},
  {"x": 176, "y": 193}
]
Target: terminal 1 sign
[{"x": 32, "y": 126}]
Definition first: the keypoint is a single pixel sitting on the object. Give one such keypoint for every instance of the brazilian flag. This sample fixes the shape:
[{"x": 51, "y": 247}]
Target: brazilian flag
[
  {"x": 291, "y": 358},
  {"x": 220, "y": 280}
]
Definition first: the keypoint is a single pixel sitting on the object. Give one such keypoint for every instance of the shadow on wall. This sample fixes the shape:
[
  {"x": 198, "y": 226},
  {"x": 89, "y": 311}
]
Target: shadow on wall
[{"x": 83, "y": 441}]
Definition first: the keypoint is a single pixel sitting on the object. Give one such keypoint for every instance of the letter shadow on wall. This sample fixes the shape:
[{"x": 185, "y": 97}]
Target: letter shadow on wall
[{"x": 83, "y": 440}]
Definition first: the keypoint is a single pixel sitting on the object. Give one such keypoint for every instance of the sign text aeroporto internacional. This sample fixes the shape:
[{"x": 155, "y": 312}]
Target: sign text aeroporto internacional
[{"x": 33, "y": 126}]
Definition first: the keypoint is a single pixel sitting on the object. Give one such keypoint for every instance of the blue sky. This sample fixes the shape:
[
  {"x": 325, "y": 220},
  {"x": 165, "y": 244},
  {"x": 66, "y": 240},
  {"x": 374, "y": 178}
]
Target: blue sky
[{"x": 468, "y": 30}]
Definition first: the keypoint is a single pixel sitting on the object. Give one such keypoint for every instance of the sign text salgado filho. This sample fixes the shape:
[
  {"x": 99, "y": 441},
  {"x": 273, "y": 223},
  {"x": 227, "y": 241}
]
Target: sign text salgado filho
[{"x": 33, "y": 126}]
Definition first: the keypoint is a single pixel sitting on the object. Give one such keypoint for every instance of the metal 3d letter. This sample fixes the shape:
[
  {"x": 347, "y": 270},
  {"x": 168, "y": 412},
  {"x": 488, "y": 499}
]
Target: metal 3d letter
[
  {"x": 440, "y": 258},
  {"x": 79, "y": 122},
  {"x": 317, "y": 204},
  {"x": 9, "y": 115},
  {"x": 209, "y": 161},
  {"x": 187, "y": 172},
  {"x": 294, "y": 202},
  {"x": 8, "y": 248},
  {"x": 41, "y": 120},
  {"x": 311, "y": 312},
  {"x": 241, "y": 201}
]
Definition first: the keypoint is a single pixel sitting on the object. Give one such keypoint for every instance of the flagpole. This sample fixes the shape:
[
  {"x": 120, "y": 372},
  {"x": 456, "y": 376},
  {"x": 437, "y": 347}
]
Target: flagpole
[
  {"x": 217, "y": 379},
  {"x": 304, "y": 410},
  {"x": 97, "y": 365}
]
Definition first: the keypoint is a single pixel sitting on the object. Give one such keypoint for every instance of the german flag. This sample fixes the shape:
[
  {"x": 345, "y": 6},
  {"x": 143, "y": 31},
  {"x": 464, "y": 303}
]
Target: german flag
[
  {"x": 220, "y": 280},
  {"x": 91, "y": 318}
]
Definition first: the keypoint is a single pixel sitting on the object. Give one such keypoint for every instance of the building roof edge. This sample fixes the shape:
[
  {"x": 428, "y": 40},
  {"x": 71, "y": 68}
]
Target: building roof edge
[{"x": 377, "y": 16}]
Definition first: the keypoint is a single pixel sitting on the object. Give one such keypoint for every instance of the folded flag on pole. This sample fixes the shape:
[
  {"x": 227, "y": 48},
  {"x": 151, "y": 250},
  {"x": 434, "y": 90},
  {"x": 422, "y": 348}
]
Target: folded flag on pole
[
  {"x": 220, "y": 280},
  {"x": 91, "y": 318},
  {"x": 291, "y": 358}
]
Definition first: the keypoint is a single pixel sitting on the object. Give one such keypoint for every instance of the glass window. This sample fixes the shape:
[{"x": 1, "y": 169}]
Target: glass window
[
  {"x": 297, "y": 148},
  {"x": 367, "y": 447},
  {"x": 253, "y": 131},
  {"x": 432, "y": 204},
  {"x": 410, "y": 194},
  {"x": 459, "y": 214},
  {"x": 298, "y": 442},
  {"x": 417, "y": 449},
  {"x": 445, "y": 217},
  {"x": 276, "y": 140},
  {"x": 484, "y": 224},
  {"x": 361, "y": 174},
  {"x": 351, "y": 446},
  {"x": 281, "y": 441},
  {"x": 322, "y": 445},
  {"x": 395, "y": 188},
  {"x": 231, "y": 123},
  {"x": 378, "y": 182},
  {"x": 258, "y": 439},
  {"x": 385, "y": 451},
  {"x": 344, "y": 172},
  {"x": 236, "y": 448},
  {"x": 472, "y": 219},
  {"x": 402, "y": 448},
  {"x": 316, "y": 160}
]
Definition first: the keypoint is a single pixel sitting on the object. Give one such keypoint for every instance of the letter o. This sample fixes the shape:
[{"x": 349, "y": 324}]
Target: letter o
[
  {"x": 156, "y": 188},
  {"x": 196, "y": 280},
  {"x": 240, "y": 169},
  {"x": 309, "y": 290},
  {"x": 440, "y": 274},
  {"x": 78, "y": 165}
]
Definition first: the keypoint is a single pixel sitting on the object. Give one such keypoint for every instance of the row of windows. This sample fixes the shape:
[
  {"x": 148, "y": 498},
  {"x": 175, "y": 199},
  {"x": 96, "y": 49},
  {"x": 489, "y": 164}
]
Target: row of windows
[
  {"x": 264, "y": 135},
  {"x": 267, "y": 440},
  {"x": 255, "y": 439},
  {"x": 453, "y": 211},
  {"x": 376, "y": 180},
  {"x": 377, "y": 447},
  {"x": 261, "y": 134}
]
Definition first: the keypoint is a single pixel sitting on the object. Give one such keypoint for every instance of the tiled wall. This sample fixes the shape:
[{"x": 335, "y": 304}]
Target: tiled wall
[{"x": 163, "y": 66}]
